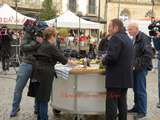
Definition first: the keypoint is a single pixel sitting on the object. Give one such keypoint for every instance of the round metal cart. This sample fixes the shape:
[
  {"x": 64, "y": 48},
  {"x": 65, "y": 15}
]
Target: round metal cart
[{"x": 83, "y": 93}]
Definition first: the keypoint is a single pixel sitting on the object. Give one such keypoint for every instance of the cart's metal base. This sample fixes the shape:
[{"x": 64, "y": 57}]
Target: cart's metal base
[{"x": 63, "y": 115}]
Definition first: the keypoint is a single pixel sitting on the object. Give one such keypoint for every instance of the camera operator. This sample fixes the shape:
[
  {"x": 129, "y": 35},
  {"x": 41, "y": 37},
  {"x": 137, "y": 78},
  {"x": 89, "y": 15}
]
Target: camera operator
[
  {"x": 29, "y": 47},
  {"x": 5, "y": 51},
  {"x": 156, "y": 42}
]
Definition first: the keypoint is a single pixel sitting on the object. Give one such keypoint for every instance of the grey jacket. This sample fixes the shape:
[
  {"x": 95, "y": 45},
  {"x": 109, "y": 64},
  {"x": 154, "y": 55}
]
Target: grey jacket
[
  {"x": 29, "y": 47},
  {"x": 142, "y": 52}
]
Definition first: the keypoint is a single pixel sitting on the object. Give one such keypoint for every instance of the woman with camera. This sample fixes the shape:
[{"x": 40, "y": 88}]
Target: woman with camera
[
  {"x": 5, "y": 48},
  {"x": 46, "y": 58}
]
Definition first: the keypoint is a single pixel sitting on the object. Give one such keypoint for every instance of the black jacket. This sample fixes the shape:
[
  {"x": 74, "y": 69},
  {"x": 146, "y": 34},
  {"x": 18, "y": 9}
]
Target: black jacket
[
  {"x": 46, "y": 58},
  {"x": 5, "y": 45},
  {"x": 156, "y": 42},
  {"x": 119, "y": 62},
  {"x": 103, "y": 44},
  {"x": 142, "y": 52}
]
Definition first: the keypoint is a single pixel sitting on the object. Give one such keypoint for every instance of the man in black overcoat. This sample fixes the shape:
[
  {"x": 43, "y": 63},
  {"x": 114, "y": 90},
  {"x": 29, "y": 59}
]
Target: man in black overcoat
[{"x": 119, "y": 74}]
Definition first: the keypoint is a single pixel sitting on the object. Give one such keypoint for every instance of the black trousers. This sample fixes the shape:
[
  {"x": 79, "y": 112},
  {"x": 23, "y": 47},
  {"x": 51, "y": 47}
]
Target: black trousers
[
  {"x": 5, "y": 63},
  {"x": 116, "y": 104}
]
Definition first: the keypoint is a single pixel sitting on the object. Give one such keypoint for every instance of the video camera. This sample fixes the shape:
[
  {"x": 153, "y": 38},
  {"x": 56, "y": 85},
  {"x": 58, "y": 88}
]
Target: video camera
[
  {"x": 34, "y": 28},
  {"x": 153, "y": 27},
  {"x": 29, "y": 26}
]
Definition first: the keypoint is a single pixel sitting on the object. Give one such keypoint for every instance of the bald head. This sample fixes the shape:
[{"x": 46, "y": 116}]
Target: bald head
[
  {"x": 133, "y": 25},
  {"x": 133, "y": 29}
]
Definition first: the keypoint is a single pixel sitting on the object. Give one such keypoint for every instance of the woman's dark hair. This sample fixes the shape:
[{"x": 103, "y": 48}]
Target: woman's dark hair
[{"x": 119, "y": 24}]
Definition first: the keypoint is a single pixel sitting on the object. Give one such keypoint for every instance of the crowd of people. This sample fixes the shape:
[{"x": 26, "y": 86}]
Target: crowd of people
[
  {"x": 9, "y": 40},
  {"x": 127, "y": 59}
]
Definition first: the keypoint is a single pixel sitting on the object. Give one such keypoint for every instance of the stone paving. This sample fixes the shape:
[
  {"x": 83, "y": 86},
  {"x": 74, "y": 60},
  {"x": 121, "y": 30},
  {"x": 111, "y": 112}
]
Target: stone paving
[{"x": 7, "y": 83}]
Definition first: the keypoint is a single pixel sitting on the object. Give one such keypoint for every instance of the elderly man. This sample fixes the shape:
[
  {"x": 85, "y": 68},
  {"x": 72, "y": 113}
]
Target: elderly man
[
  {"x": 142, "y": 63},
  {"x": 119, "y": 74}
]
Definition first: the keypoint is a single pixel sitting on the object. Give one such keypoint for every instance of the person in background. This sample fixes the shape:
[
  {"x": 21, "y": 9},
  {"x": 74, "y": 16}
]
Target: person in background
[
  {"x": 29, "y": 47},
  {"x": 103, "y": 43},
  {"x": 58, "y": 41},
  {"x": 119, "y": 74},
  {"x": 5, "y": 52},
  {"x": 156, "y": 42},
  {"x": 142, "y": 63},
  {"x": 83, "y": 44},
  {"x": 70, "y": 40},
  {"x": 46, "y": 58},
  {"x": 91, "y": 53}
]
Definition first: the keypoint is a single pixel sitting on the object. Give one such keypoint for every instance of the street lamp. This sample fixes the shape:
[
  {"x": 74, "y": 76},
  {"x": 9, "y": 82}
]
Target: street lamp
[
  {"x": 99, "y": 14},
  {"x": 16, "y": 6},
  {"x": 17, "y": 46},
  {"x": 119, "y": 5},
  {"x": 55, "y": 22},
  {"x": 153, "y": 4},
  {"x": 99, "y": 6},
  {"x": 79, "y": 13}
]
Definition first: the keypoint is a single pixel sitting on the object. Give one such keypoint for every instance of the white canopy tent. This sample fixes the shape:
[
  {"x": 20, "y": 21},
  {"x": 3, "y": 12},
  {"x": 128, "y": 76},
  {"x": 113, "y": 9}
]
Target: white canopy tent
[
  {"x": 70, "y": 20},
  {"x": 8, "y": 16}
]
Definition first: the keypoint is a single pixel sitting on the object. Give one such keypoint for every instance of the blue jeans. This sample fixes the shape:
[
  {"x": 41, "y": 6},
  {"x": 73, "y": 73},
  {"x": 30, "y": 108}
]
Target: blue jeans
[
  {"x": 140, "y": 93},
  {"x": 23, "y": 75},
  {"x": 42, "y": 110},
  {"x": 159, "y": 79}
]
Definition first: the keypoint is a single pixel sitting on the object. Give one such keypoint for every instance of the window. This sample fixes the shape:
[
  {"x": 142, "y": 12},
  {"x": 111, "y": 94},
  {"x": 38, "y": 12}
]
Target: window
[
  {"x": 125, "y": 14},
  {"x": 72, "y": 5},
  {"x": 157, "y": 1},
  {"x": 92, "y": 7},
  {"x": 150, "y": 13},
  {"x": 30, "y": 1}
]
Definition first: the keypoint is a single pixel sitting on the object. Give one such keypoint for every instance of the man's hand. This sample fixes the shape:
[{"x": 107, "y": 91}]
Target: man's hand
[
  {"x": 33, "y": 43},
  {"x": 72, "y": 62}
]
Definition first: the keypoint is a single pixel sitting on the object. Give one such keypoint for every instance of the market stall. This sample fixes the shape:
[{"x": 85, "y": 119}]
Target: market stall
[
  {"x": 79, "y": 90},
  {"x": 9, "y": 16},
  {"x": 71, "y": 20}
]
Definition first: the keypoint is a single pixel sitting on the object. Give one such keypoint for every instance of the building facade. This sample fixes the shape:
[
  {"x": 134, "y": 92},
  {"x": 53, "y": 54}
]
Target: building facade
[
  {"x": 132, "y": 9},
  {"x": 109, "y": 9},
  {"x": 87, "y": 8},
  {"x": 26, "y": 7},
  {"x": 94, "y": 10}
]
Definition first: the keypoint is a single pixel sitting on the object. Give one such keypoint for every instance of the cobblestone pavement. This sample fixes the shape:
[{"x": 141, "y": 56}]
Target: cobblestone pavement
[{"x": 7, "y": 83}]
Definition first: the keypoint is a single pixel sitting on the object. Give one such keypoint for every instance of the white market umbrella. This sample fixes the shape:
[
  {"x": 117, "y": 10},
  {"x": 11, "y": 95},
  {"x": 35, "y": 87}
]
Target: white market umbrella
[
  {"x": 8, "y": 16},
  {"x": 70, "y": 20}
]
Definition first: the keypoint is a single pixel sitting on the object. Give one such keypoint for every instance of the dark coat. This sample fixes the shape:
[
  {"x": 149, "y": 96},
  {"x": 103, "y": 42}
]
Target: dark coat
[
  {"x": 103, "y": 44},
  {"x": 143, "y": 52},
  {"x": 5, "y": 45},
  {"x": 119, "y": 62},
  {"x": 47, "y": 56}
]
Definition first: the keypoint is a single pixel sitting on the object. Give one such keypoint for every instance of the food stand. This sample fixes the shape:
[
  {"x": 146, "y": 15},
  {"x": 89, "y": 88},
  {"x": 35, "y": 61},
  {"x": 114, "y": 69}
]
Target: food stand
[{"x": 79, "y": 90}]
